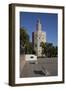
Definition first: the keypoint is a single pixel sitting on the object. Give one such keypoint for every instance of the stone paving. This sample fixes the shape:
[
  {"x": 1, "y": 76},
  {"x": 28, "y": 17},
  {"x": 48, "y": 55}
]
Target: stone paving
[{"x": 44, "y": 67}]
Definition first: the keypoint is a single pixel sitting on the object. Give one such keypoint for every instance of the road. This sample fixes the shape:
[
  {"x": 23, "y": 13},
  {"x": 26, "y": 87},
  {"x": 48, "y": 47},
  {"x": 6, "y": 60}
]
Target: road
[{"x": 44, "y": 67}]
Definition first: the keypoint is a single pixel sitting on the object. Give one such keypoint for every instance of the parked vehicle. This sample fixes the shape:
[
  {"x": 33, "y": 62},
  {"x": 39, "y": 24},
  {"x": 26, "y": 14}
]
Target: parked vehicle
[{"x": 31, "y": 58}]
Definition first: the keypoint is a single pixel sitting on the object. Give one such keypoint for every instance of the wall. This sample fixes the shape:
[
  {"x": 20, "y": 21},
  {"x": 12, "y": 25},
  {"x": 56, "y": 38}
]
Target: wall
[{"x": 4, "y": 45}]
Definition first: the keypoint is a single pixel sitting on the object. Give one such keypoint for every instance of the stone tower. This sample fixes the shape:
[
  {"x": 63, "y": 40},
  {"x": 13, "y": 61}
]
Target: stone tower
[{"x": 37, "y": 37}]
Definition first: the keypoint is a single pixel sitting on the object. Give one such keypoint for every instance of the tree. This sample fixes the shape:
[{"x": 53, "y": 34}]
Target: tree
[
  {"x": 54, "y": 51},
  {"x": 48, "y": 49},
  {"x": 24, "y": 40},
  {"x": 31, "y": 49},
  {"x": 43, "y": 47},
  {"x": 25, "y": 44}
]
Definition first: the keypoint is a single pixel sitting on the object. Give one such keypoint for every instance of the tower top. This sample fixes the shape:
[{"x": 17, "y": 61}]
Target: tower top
[
  {"x": 39, "y": 28},
  {"x": 38, "y": 21}
]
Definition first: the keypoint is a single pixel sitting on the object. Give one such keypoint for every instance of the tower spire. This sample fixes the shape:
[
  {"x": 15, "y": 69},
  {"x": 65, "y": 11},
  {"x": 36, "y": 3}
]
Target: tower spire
[{"x": 39, "y": 25}]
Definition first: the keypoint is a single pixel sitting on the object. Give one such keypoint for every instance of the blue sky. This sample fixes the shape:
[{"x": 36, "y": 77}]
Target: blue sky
[{"x": 49, "y": 23}]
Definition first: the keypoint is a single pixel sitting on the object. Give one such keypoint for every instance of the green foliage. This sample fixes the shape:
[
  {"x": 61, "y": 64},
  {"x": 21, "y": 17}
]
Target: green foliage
[
  {"x": 25, "y": 44},
  {"x": 48, "y": 49},
  {"x": 24, "y": 40},
  {"x": 24, "y": 37}
]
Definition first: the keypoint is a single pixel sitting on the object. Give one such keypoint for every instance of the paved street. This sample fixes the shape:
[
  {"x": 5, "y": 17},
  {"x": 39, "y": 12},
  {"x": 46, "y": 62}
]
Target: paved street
[{"x": 44, "y": 67}]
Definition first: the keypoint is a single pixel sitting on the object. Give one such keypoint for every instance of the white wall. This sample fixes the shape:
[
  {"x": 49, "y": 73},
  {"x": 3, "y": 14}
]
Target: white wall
[{"x": 4, "y": 45}]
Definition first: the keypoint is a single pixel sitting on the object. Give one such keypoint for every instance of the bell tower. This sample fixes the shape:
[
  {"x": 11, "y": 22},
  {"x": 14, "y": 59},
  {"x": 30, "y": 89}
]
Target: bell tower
[{"x": 39, "y": 25}]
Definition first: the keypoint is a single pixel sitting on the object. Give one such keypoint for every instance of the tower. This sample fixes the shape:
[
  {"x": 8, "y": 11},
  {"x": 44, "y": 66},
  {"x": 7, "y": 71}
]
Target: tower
[
  {"x": 38, "y": 25},
  {"x": 37, "y": 37}
]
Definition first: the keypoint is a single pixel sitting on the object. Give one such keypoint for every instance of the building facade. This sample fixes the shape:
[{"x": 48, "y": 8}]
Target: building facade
[{"x": 37, "y": 37}]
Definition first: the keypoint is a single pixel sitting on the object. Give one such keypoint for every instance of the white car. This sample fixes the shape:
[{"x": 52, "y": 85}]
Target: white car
[{"x": 31, "y": 58}]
